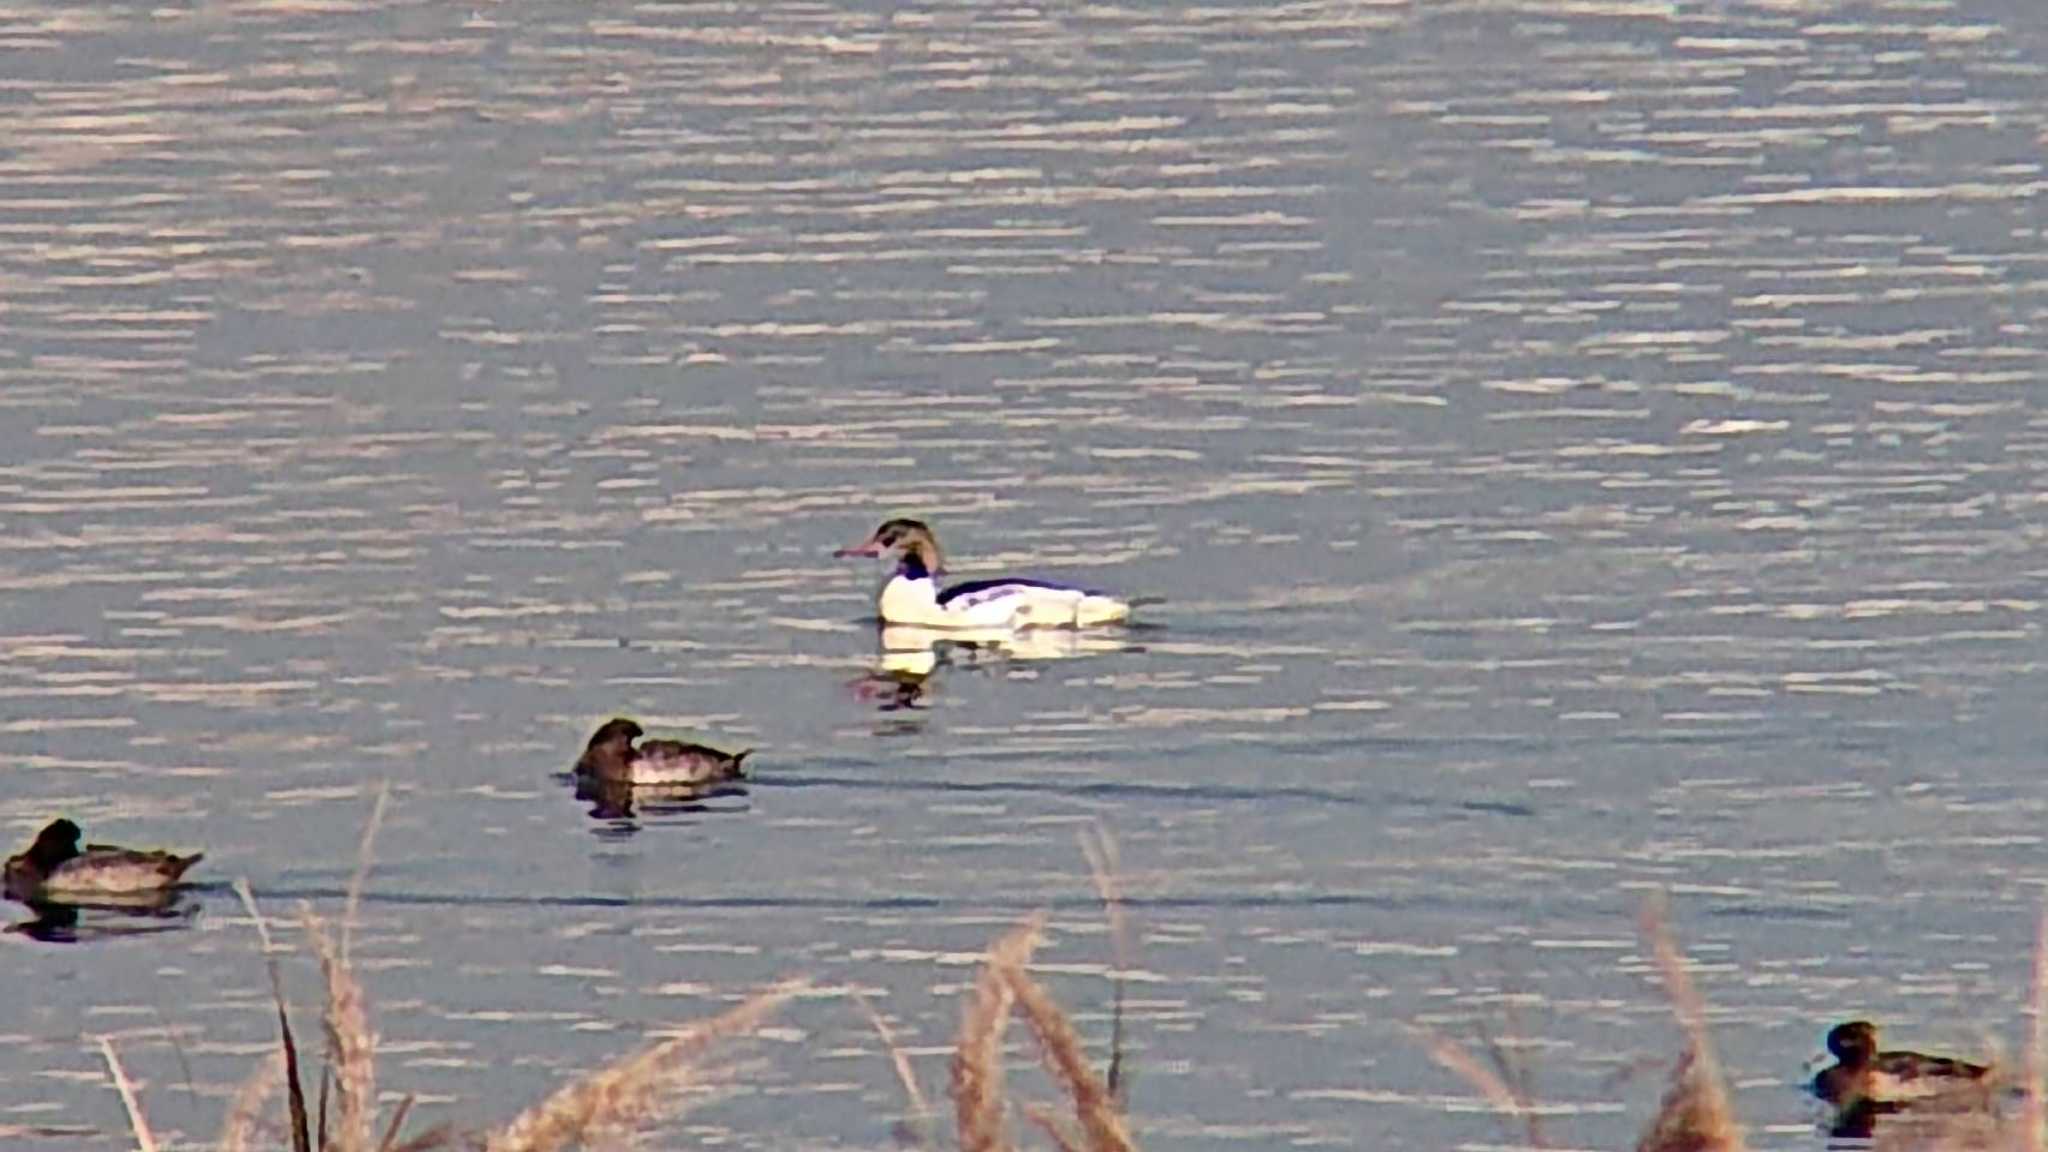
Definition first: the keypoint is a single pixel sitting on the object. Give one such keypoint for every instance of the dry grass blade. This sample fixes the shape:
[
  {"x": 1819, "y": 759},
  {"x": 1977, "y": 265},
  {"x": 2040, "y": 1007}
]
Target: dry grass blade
[
  {"x": 978, "y": 1053},
  {"x": 365, "y": 855},
  {"x": 920, "y": 1107},
  {"x": 295, "y": 1091},
  {"x": 1695, "y": 1114},
  {"x": 398, "y": 1115},
  {"x": 320, "y": 1112},
  {"x": 245, "y": 1111},
  {"x": 1105, "y": 865},
  {"x": 629, "y": 1091},
  {"x": 439, "y": 1136},
  {"x": 1516, "y": 1070},
  {"x": 1055, "y": 1129},
  {"x": 1510, "y": 1100},
  {"x": 144, "y": 1140},
  {"x": 1094, "y": 1108},
  {"x": 2031, "y": 1117},
  {"x": 351, "y": 1046}
]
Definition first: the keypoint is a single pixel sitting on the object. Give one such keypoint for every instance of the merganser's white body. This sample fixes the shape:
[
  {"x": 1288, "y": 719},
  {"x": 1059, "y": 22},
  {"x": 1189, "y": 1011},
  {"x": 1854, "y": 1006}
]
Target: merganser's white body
[
  {"x": 912, "y": 596},
  {"x": 1000, "y": 604}
]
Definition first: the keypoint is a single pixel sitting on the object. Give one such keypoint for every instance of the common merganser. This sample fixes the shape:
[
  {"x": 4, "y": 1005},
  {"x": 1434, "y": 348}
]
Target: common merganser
[
  {"x": 1865, "y": 1083},
  {"x": 55, "y": 870},
  {"x": 912, "y": 595},
  {"x": 612, "y": 756}
]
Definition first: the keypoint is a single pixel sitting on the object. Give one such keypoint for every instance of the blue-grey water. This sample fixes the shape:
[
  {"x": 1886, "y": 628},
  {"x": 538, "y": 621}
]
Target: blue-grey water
[{"x": 1578, "y": 448}]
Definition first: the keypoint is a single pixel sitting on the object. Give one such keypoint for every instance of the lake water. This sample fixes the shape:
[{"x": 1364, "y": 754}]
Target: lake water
[{"x": 1578, "y": 448}]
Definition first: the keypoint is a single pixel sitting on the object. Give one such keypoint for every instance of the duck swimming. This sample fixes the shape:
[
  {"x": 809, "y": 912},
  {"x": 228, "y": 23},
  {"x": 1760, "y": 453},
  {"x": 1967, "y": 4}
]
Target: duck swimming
[
  {"x": 55, "y": 870},
  {"x": 1865, "y": 1083},
  {"x": 611, "y": 756},
  {"x": 912, "y": 595}
]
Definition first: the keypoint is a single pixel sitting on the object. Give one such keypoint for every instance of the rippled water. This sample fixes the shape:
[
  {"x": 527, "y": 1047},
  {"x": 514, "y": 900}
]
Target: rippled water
[{"x": 1581, "y": 448}]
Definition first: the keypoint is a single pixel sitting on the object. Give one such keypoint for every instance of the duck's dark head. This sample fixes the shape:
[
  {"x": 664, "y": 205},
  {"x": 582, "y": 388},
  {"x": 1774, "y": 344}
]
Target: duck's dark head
[
  {"x": 56, "y": 843},
  {"x": 610, "y": 747},
  {"x": 911, "y": 539},
  {"x": 617, "y": 732},
  {"x": 1853, "y": 1043}
]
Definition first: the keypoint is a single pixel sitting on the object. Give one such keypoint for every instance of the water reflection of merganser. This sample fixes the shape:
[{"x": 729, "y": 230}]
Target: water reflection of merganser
[
  {"x": 909, "y": 655},
  {"x": 912, "y": 595}
]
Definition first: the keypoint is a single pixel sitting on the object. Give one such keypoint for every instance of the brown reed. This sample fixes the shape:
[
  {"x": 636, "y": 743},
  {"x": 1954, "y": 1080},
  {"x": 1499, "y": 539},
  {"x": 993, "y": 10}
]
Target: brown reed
[
  {"x": 978, "y": 1100},
  {"x": 1060, "y": 1046},
  {"x": 1105, "y": 864},
  {"x": 245, "y": 1110},
  {"x": 920, "y": 1122},
  {"x": 633, "y": 1090},
  {"x": 1695, "y": 1114},
  {"x": 288, "y": 1049},
  {"x": 145, "y": 1141},
  {"x": 1504, "y": 1085},
  {"x": 351, "y": 1046}
]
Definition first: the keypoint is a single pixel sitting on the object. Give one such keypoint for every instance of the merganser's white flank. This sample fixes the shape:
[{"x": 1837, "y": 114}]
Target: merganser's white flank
[{"x": 912, "y": 595}]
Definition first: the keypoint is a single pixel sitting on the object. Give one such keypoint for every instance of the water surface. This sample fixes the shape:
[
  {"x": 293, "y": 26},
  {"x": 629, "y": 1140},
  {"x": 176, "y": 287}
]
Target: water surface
[{"x": 1581, "y": 449}]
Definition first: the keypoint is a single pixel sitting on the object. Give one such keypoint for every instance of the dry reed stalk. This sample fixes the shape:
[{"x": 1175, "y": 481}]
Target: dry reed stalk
[
  {"x": 145, "y": 1141},
  {"x": 1104, "y": 866},
  {"x": 351, "y": 1046},
  {"x": 2031, "y": 1118},
  {"x": 1512, "y": 1100},
  {"x": 365, "y": 856},
  {"x": 1094, "y": 1108},
  {"x": 1055, "y": 1129},
  {"x": 295, "y": 1093},
  {"x": 245, "y": 1110},
  {"x": 1695, "y": 1114},
  {"x": 627, "y": 1092},
  {"x": 439, "y": 1136},
  {"x": 978, "y": 1053},
  {"x": 920, "y": 1107}
]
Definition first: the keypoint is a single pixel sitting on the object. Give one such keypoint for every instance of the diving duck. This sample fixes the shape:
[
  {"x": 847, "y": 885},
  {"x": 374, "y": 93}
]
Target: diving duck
[
  {"x": 912, "y": 595},
  {"x": 1865, "y": 1082},
  {"x": 55, "y": 870},
  {"x": 612, "y": 756}
]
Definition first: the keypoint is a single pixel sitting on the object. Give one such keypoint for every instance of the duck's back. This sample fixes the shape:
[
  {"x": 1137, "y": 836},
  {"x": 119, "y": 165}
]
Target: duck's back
[
  {"x": 103, "y": 869},
  {"x": 680, "y": 762},
  {"x": 1903, "y": 1076}
]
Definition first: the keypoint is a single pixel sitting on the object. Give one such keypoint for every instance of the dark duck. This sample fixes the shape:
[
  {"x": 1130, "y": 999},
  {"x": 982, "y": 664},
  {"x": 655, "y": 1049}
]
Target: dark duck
[
  {"x": 613, "y": 757},
  {"x": 1866, "y": 1082},
  {"x": 56, "y": 870}
]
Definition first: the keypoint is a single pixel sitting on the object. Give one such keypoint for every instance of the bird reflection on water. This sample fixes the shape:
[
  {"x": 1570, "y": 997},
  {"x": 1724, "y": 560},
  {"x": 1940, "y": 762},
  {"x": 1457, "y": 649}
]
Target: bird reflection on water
[
  {"x": 621, "y": 807},
  {"x": 55, "y": 922},
  {"x": 909, "y": 657}
]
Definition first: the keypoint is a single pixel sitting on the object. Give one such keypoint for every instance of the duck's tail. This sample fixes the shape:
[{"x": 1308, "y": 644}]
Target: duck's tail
[
  {"x": 734, "y": 766},
  {"x": 177, "y": 866}
]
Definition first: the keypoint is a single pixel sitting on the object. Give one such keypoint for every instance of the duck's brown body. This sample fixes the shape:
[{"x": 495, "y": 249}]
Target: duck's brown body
[
  {"x": 613, "y": 757},
  {"x": 1866, "y": 1082},
  {"x": 55, "y": 869}
]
